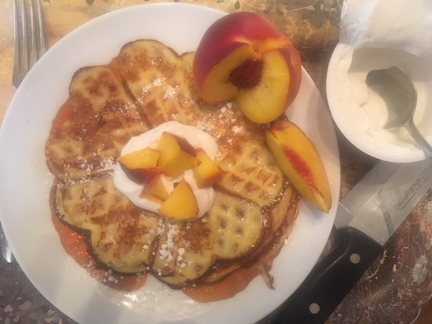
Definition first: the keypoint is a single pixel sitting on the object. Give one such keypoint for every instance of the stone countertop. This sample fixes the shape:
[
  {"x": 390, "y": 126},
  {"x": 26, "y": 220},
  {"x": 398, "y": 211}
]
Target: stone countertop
[{"x": 394, "y": 288}]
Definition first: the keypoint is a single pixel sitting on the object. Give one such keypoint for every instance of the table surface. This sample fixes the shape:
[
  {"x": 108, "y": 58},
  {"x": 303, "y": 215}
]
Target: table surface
[{"x": 397, "y": 284}]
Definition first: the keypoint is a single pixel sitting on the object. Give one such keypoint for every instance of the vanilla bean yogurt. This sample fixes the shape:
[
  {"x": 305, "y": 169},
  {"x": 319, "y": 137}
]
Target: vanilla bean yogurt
[{"x": 378, "y": 34}]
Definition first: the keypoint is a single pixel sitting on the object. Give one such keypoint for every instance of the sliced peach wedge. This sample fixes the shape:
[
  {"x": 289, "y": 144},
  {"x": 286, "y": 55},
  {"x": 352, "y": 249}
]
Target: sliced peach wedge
[
  {"x": 245, "y": 58},
  {"x": 176, "y": 154},
  {"x": 181, "y": 203},
  {"x": 300, "y": 162},
  {"x": 140, "y": 165}
]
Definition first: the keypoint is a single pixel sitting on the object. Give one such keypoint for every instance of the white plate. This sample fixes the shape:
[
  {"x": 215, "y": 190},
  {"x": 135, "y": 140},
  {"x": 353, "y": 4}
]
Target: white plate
[{"x": 25, "y": 181}]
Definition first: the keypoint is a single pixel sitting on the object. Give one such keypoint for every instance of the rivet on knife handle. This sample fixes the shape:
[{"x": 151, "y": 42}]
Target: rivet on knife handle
[{"x": 331, "y": 280}]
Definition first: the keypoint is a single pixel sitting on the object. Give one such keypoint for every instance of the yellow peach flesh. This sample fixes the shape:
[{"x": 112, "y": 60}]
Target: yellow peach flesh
[
  {"x": 216, "y": 86},
  {"x": 217, "y": 57},
  {"x": 154, "y": 190},
  {"x": 140, "y": 165},
  {"x": 267, "y": 101},
  {"x": 176, "y": 155},
  {"x": 300, "y": 162},
  {"x": 206, "y": 172},
  {"x": 141, "y": 159},
  {"x": 181, "y": 203}
]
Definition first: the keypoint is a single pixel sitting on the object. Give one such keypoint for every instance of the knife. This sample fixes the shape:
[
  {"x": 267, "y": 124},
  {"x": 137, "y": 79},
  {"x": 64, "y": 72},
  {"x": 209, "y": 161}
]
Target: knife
[
  {"x": 4, "y": 247},
  {"x": 365, "y": 219}
]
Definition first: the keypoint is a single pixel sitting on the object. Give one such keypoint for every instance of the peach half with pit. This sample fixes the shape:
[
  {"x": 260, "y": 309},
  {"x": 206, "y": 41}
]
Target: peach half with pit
[
  {"x": 245, "y": 58},
  {"x": 140, "y": 165},
  {"x": 176, "y": 154},
  {"x": 181, "y": 203},
  {"x": 300, "y": 162}
]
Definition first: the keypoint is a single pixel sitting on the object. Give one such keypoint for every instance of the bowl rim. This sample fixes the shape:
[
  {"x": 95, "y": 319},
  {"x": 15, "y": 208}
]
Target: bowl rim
[{"x": 332, "y": 100}]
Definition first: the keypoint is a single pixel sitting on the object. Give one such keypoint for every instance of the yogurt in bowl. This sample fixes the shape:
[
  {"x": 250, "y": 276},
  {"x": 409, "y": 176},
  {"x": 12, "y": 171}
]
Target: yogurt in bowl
[{"x": 378, "y": 34}]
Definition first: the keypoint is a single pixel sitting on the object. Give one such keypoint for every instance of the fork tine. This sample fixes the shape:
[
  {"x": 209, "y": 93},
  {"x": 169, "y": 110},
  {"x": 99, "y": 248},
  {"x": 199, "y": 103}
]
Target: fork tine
[
  {"x": 28, "y": 20},
  {"x": 33, "y": 31},
  {"x": 16, "y": 34},
  {"x": 41, "y": 29},
  {"x": 19, "y": 41},
  {"x": 20, "y": 34},
  {"x": 24, "y": 26}
]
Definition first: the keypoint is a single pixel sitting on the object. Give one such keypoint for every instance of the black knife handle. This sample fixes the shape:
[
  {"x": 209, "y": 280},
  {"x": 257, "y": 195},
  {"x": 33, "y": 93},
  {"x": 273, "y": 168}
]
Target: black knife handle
[{"x": 331, "y": 279}]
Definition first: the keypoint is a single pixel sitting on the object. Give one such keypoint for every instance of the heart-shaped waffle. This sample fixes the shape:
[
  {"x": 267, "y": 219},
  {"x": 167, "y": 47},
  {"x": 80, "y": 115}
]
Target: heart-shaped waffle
[{"x": 146, "y": 85}]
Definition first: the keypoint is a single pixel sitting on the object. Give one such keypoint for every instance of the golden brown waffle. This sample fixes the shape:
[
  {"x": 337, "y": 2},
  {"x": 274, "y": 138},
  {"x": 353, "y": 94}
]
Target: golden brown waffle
[
  {"x": 118, "y": 232},
  {"x": 254, "y": 206},
  {"x": 92, "y": 127}
]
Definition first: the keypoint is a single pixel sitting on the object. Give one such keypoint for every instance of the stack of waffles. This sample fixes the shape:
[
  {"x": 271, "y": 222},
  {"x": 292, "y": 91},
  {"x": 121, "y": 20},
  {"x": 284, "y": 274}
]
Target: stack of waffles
[{"x": 146, "y": 85}]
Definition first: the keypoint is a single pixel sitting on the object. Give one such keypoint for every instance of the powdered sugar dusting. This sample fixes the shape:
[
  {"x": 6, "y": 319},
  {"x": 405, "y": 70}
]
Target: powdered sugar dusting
[
  {"x": 166, "y": 249},
  {"x": 236, "y": 129},
  {"x": 156, "y": 83},
  {"x": 171, "y": 92}
]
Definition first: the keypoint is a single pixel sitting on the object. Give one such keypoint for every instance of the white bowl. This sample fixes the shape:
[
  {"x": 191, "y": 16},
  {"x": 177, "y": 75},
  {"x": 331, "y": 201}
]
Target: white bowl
[{"x": 360, "y": 114}]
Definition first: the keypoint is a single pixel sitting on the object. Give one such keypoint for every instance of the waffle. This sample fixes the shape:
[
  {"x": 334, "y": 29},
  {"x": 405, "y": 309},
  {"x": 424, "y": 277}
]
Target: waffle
[
  {"x": 92, "y": 126},
  {"x": 146, "y": 85}
]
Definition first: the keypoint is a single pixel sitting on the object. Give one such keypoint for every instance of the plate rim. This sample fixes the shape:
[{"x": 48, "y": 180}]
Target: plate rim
[{"x": 307, "y": 80}]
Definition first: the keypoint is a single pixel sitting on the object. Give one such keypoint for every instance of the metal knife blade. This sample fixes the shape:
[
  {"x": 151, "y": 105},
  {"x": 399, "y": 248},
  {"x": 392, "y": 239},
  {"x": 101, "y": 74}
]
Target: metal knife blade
[
  {"x": 366, "y": 218},
  {"x": 379, "y": 203},
  {"x": 5, "y": 248}
]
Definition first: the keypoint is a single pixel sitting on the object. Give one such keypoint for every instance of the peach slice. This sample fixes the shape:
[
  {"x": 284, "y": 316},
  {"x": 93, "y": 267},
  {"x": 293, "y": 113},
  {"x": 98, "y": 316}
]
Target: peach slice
[
  {"x": 176, "y": 155},
  {"x": 244, "y": 57},
  {"x": 300, "y": 162},
  {"x": 181, "y": 203},
  {"x": 154, "y": 190},
  {"x": 205, "y": 172},
  {"x": 140, "y": 165}
]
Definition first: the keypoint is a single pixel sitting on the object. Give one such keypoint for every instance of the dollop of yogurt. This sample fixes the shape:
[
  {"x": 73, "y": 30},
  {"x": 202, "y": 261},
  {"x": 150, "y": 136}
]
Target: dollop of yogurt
[
  {"x": 196, "y": 137},
  {"x": 378, "y": 34}
]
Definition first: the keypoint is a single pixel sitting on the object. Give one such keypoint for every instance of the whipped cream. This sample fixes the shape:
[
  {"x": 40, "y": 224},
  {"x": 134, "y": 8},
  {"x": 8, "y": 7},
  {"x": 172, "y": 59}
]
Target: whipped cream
[
  {"x": 378, "y": 34},
  {"x": 196, "y": 137}
]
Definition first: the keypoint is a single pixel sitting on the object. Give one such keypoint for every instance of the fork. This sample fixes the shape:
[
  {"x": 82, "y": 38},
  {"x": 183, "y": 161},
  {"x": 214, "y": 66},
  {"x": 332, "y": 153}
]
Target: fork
[
  {"x": 29, "y": 37},
  {"x": 28, "y": 20}
]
